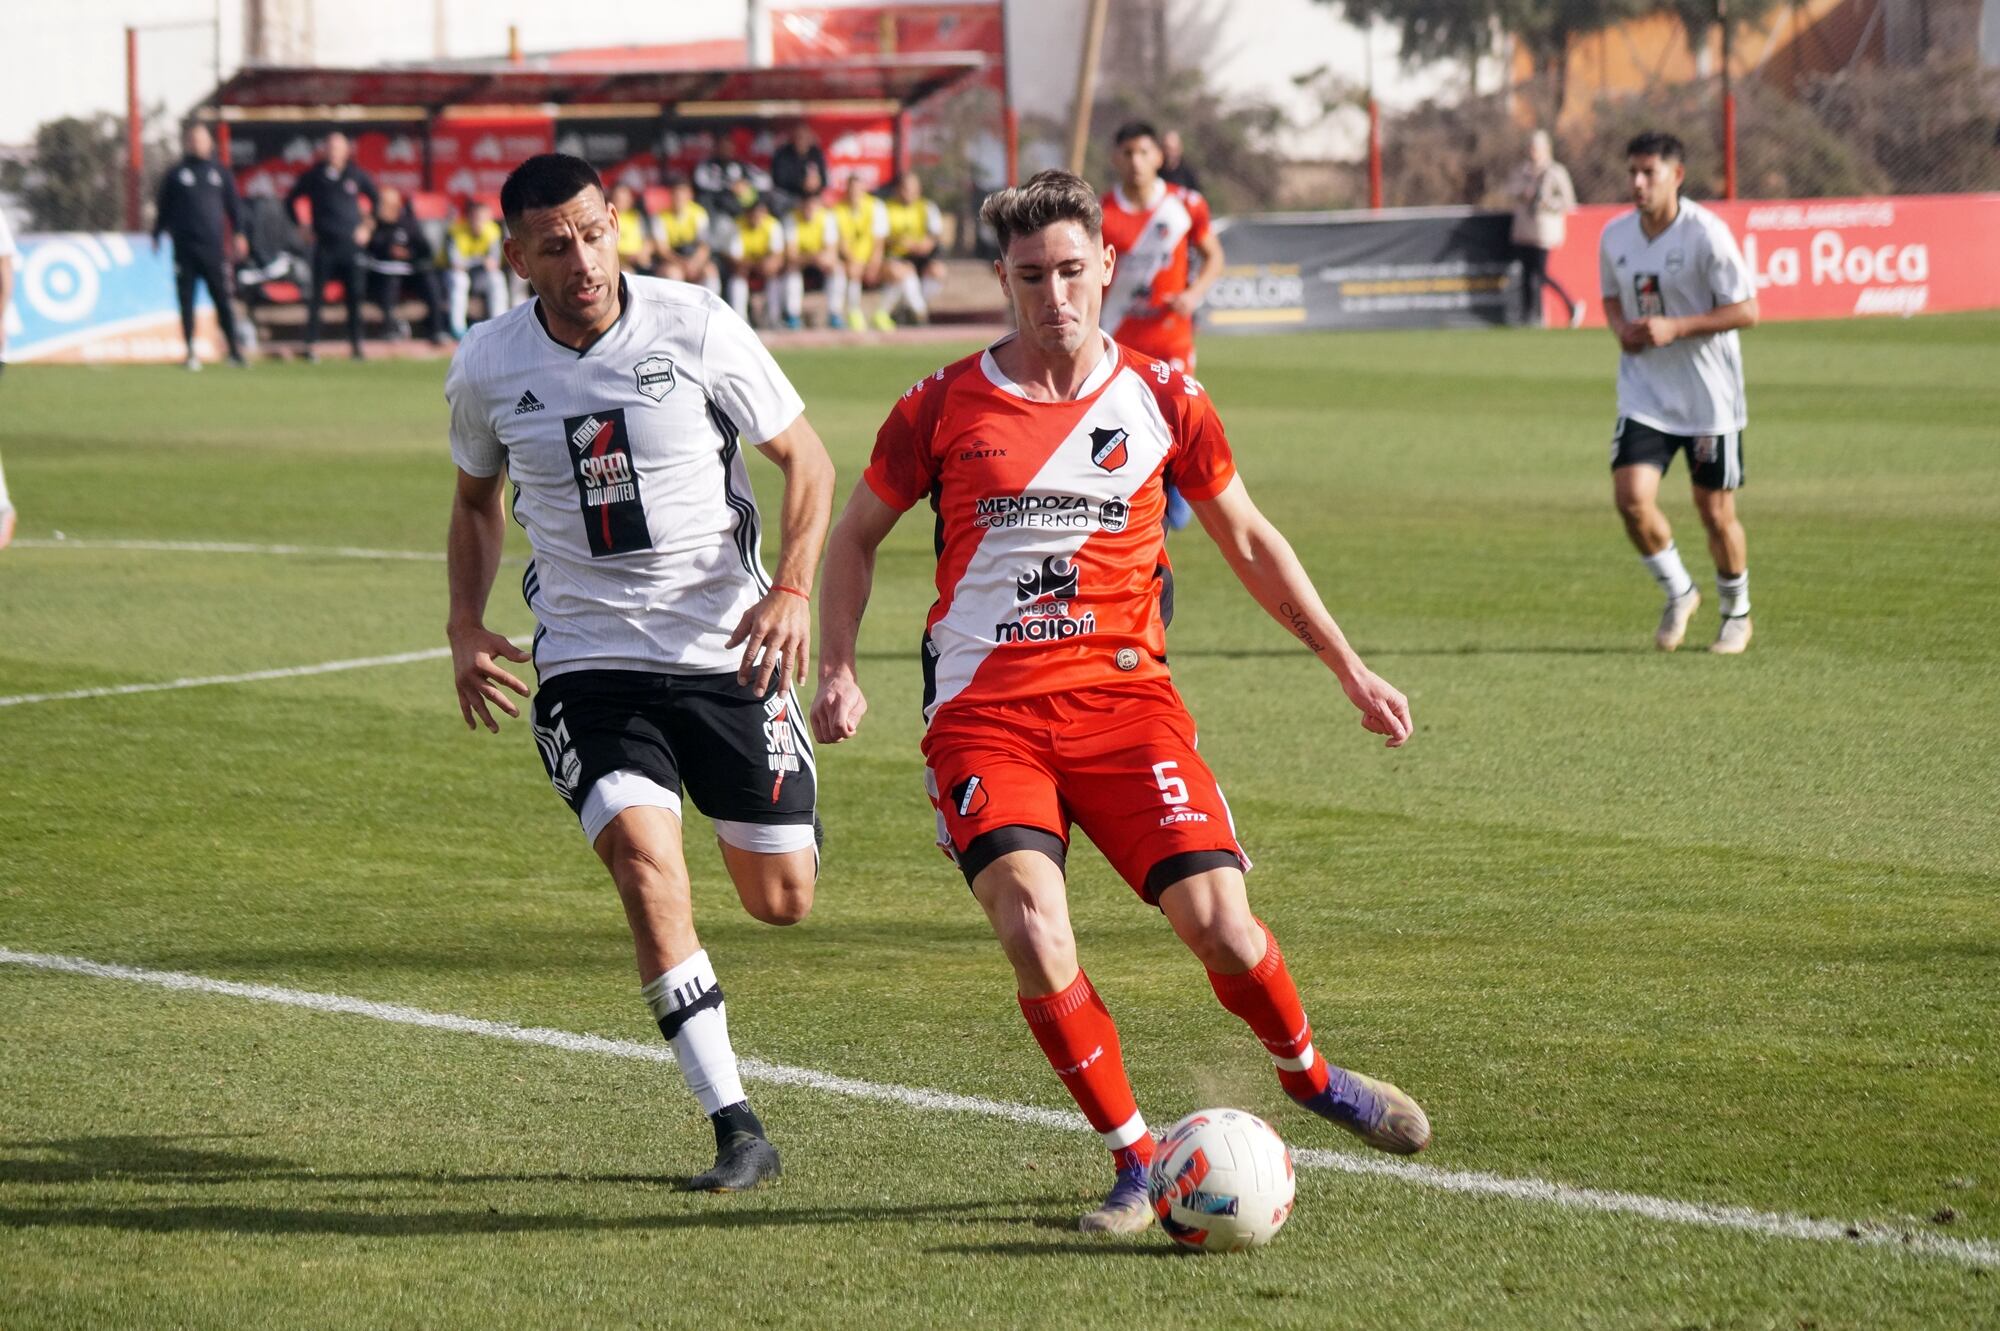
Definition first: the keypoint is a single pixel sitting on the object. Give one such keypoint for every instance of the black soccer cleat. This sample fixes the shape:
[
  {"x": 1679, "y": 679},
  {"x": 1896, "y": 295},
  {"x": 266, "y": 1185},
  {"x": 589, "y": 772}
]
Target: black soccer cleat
[{"x": 741, "y": 1163}]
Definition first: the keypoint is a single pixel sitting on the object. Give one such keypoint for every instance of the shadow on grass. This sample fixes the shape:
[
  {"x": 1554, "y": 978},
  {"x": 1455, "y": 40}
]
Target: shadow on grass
[
  {"x": 1149, "y": 1246},
  {"x": 183, "y": 1160}
]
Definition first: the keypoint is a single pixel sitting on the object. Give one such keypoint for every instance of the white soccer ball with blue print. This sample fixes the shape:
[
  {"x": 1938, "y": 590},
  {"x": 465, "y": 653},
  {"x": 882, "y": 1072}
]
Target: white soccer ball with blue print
[{"x": 1221, "y": 1181}]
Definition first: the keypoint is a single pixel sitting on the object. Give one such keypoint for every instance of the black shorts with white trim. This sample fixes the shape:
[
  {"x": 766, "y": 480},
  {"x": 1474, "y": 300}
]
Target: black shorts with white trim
[
  {"x": 744, "y": 758},
  {"x": 1715, "y": 461}
]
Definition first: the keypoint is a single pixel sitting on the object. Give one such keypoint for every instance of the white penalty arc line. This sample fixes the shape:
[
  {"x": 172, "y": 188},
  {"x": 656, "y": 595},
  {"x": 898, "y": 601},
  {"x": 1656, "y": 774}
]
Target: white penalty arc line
[
  {"x": 250, "y": 677},
  {"x": 1742, "y": 1219}
]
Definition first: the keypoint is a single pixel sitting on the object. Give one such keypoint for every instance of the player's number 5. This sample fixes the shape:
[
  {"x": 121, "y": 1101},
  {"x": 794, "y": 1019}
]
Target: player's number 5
[{"x": 1172, "y": 788}]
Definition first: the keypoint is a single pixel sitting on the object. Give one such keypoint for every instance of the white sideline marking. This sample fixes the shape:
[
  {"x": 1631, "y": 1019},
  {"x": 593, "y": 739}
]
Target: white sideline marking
[
  {"x": 233, "y": 548},
  {"x": 203, "y": 681},
  {"x": 1765, "y": 1224}
]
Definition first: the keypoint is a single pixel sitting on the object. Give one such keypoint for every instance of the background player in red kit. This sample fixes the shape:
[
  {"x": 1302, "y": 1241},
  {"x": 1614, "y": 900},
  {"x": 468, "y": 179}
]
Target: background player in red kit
[
  {"x": 1046, "y": 688},
  {"x": 1152, "y": 225}
]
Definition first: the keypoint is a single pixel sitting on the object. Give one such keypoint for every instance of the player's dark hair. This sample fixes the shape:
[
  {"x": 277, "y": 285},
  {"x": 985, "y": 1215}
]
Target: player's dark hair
[
  {"x": 546, "y": 180},
  {"x": 1656, "y": 143},
  {"x": 1134, "y": 129},
  {"x": 1048, "y": 197}
]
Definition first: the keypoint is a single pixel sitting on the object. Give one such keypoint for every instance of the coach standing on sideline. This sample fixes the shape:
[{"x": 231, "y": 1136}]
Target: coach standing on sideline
[
  {"x": 198, "y": 208},
  {"x": 335, "y": 187}
]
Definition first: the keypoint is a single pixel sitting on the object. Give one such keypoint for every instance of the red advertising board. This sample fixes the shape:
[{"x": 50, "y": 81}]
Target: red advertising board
[
  {"x": 1834, "y": 258},
  {"x": 473, "y": 157}
]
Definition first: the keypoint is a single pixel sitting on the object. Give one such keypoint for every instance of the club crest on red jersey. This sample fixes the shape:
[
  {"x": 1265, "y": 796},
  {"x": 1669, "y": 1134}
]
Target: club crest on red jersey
[{"x": 1107, "y": 448}]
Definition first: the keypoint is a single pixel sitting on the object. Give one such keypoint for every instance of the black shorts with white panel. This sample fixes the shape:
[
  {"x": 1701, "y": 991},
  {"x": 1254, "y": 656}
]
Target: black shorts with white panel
[
  {"x": 618, "y": 739},
  {"x": 1714, "y": 460}
]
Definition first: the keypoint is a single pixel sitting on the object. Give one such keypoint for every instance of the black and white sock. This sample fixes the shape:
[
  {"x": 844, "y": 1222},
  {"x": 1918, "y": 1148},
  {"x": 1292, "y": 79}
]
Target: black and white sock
[
  {"x": 687, "y": 1002},
  {"x": 1669, "y": 572},
  {"x": 1733, "y": 594}
]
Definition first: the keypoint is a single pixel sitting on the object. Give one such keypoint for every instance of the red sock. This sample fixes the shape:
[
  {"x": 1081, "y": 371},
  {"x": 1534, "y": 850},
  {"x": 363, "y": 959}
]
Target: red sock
[
  {"x": 1265, "y": 997},
  {"x": 1075, "y": 1030}
]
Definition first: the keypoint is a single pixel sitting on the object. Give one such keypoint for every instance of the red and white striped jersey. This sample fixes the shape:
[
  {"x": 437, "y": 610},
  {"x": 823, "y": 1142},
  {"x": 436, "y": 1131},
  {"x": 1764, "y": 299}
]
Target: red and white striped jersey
[
  {"x": 1052, "y": 567},
  {"x": 1152, "y": 242}
]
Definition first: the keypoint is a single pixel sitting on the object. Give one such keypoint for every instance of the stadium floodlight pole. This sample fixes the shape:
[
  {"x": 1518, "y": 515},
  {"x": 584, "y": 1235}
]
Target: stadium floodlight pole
[
  {"x": 135, "y": 148},
  {"x": 1374, "y": 120},
  {"x": 1728, "y": 107},
  {"x": 1086, "y": 84},
  {"x": 1010, "y": 118}
]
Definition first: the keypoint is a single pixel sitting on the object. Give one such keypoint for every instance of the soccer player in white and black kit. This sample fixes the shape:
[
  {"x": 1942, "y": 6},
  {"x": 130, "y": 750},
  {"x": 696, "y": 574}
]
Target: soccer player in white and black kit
[
  {"x": 666, "y": 655},
  {"x": 1676, "y": 290}
]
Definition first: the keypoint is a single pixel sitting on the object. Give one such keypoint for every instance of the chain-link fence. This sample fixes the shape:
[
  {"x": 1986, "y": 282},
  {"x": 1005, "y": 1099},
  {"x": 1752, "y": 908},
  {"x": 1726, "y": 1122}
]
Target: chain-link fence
[{"x": 1830, "y": 99}]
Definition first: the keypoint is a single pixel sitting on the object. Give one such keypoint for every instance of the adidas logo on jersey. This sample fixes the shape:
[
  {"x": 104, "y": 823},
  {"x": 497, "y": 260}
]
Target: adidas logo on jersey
[{"x": 529, "y": 402}]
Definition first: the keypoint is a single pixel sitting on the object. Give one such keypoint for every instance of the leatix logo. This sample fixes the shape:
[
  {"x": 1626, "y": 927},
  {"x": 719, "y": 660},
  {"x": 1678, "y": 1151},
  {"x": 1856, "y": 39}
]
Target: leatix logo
[
  {"x": 1107, "y": 448},
  {"x": 1042, "y": 595}
]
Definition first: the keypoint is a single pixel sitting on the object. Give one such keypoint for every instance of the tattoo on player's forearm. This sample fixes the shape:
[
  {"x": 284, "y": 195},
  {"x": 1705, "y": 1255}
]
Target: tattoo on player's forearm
[{"x": 1297, "y": 619}]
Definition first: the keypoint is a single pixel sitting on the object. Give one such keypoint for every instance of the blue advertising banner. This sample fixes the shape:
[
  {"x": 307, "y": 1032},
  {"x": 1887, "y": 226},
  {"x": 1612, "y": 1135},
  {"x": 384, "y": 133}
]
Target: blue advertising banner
[{"x": 99, "y": 297}]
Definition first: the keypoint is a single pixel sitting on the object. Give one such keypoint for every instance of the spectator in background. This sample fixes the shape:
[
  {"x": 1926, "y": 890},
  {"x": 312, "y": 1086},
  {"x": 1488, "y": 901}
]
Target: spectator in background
[
  {"x": 915, "y": 230},
  {"x": 683, "y": 229},
  {"x": 795, "y": 157},
  {"x": 812, "y": 249},
  {"x": 1543, "y": 199},
  {"x": 863, "y": 223},
  {"x": 335, "y": 187},
  {"x": 635, "y": 238},
  {"x": 472, "y": 254},
  {"x": 400, "y": 260},
  {"x": 725, "y": 183},
  {"x": 1173, "y": 166},
  {"x": 198, "y": 208},
  {"x": 756, "y": 253},
  {"x": 6, "y": 294}
]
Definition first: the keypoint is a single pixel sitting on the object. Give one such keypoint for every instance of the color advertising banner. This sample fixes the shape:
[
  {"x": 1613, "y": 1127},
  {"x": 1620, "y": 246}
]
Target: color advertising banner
[
  {"x": 1833, "y": 258},
  {"x": 98, "y": 297},
  {"x": 1400, "y": 268}
]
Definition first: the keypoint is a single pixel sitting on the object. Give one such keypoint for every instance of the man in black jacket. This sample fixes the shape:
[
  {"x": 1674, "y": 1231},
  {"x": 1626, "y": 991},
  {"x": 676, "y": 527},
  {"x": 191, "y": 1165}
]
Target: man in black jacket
[
  {"x": 198, "y": 208},
  {"x": 334, "y": 187},
  {"x": 401, "y": 260}
]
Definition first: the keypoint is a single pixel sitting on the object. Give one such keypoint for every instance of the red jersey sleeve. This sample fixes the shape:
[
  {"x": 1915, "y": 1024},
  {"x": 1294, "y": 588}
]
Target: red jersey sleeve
[
  {"x": 1197, "y": 207},
  {"x": 1201, "y": 465},
  {"x": 901, "y": 470}
]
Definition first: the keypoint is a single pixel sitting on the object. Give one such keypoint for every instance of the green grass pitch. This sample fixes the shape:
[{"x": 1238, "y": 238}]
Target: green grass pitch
[{"x": 1714, "y": 931}]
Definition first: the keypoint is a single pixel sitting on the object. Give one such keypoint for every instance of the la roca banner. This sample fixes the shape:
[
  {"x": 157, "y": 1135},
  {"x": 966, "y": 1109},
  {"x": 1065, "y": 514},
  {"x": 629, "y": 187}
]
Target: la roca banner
[{"x": 1835, "y": 258}]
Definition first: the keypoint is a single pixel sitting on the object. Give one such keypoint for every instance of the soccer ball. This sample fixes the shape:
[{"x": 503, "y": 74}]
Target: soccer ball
[{"x": 1221, "y": 1181}]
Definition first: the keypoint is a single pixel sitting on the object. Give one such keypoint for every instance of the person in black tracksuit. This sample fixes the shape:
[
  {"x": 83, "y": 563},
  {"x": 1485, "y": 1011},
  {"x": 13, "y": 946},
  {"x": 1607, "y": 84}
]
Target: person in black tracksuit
[
  {"x": 198, "y": 208},
  {"x": 334, "y": 187},
  {"x": 402, "y": 261}
]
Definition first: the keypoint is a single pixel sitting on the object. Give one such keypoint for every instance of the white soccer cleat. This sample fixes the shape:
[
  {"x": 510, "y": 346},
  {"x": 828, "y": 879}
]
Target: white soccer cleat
[
  {"x": 1674, "y": 619},
  {"x": 194, "y": 363},
  {"x": 1732, "y": 637}
]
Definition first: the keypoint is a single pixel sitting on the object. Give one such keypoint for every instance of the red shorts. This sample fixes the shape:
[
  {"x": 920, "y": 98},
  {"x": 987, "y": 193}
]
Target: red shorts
[{"x": 1118, "y": 761}]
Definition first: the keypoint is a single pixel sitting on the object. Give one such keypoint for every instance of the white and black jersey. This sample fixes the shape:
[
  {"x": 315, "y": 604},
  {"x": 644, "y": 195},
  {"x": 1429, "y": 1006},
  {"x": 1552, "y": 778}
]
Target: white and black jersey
[
  {"x": 628, "y": 473},
  {"x": 1695, "y": 385}
]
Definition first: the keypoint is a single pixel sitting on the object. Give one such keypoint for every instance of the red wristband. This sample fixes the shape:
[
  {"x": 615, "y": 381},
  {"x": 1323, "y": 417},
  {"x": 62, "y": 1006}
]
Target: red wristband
[{"x": 790, "y": 591}]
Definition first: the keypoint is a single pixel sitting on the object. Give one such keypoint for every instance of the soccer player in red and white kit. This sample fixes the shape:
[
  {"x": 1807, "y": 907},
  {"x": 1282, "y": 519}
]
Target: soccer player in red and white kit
[
  {"x": 1046, "y": 688},
  {"x": 1152, "y": 225}
]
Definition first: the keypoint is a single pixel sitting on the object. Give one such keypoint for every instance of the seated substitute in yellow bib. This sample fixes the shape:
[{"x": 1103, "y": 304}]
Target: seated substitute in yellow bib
[
  {"x": 756, "y": 250},
  {"x": 915, "y": 228}
]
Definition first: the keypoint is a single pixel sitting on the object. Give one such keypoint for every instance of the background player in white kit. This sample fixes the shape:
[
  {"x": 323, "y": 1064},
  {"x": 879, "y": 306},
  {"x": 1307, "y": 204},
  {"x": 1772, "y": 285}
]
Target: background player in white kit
[
  {"x": 666, "y": 655},
  {"x": 1676, "y": 289}
]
